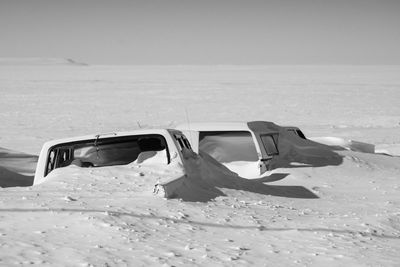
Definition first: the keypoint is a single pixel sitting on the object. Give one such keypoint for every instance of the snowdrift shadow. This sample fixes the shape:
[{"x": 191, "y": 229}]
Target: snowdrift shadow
[
  {"x": 16, "y": 168},
  {"x": 273, "y": 177},
  {"x": 9, "y": 178},
  {"x": 207, "y": 178},
  {"x": 204, "y": 224},
  {"x": 296, "y": 152}
]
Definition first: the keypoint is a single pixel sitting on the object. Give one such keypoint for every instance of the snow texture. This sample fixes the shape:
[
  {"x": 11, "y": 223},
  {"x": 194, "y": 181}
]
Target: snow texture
[{"x": 325, "y": 204}]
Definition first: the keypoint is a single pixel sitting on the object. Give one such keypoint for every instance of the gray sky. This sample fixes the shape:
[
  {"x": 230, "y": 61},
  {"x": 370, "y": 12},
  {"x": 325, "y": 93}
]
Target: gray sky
[{"x": 203, "y": 32}]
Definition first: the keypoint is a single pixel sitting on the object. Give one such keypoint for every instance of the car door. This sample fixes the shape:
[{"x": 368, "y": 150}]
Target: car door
[{"x": 267, "y": 136}]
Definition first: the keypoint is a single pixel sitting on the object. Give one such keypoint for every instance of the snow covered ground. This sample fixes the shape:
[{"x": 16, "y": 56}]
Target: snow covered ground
[{"x": 343, "y": 212}]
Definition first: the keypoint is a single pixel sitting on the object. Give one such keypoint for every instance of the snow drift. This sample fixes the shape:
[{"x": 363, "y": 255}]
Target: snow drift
[
  {"x": 342, "y": 143},
  {"x": 201, "y": 178},
  {"x": 16, "y": 168},
  {"x": 115, "y": 221}
]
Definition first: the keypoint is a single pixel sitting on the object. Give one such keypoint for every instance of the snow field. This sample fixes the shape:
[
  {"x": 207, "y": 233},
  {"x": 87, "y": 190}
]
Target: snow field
[{"x": 341, "y": 208}]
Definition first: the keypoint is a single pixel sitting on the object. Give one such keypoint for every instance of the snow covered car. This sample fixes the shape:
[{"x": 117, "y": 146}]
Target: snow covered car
[
  {"x": 111, "y": 149},
  {"x": 247, "y": 148}
]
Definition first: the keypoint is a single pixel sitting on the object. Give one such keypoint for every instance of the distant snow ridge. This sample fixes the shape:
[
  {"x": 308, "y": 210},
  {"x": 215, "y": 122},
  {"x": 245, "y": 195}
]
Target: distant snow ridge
[{"x": 16, "y": 61}]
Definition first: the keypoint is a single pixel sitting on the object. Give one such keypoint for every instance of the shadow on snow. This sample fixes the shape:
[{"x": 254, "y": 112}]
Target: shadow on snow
[{"x": 208, "y": 224}]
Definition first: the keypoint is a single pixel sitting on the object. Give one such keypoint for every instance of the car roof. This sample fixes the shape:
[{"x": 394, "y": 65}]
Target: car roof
[
  {"x": 214, "y": 126},
  {"x": 108, "y": 135},
  {"x": 251, "y": 126},
  {"x": 291, "y": 127}
]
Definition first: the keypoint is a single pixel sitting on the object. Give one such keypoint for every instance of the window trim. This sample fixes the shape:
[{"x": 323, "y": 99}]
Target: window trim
[
  {"x": 273, "y": 141},
  {"x": 106, "y": 140}
]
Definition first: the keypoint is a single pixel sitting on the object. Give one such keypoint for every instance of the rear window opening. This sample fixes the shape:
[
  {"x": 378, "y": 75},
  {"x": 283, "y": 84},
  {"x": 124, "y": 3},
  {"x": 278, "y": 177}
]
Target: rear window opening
[
  {"x": 228, "y": 146},
  {"x": 104, "y": 152}
]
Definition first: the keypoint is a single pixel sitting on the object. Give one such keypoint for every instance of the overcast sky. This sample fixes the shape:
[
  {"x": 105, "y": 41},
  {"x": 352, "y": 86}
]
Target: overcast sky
[{"x": 203, "y": 32}]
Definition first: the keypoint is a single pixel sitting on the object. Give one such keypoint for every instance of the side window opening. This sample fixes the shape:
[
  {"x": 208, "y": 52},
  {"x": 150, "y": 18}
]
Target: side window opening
[
  {"x": 270, "y": 145},
  {"x": 51, "y": 160},
  {"x": 63, "y": 157},
  {"x": 301, "y": 134},
  {"x": 181, "y": 144},
  {"x": 182, "y": 141},
  {"x": 297, "y": 132},
  {"x": 187, "y": 143}
]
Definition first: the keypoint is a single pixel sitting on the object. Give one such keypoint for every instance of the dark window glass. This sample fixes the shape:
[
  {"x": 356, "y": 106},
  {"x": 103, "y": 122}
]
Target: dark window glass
[
  {"x": 269, "y": 144},
  {"x": 301, "y": 134},
  {"x": 187, "y": 143},
  {"x": 182, "y": 141}
]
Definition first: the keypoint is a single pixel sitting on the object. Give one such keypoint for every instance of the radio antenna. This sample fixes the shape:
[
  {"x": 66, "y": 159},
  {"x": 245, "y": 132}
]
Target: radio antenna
[{"x": 188, "y": 122}]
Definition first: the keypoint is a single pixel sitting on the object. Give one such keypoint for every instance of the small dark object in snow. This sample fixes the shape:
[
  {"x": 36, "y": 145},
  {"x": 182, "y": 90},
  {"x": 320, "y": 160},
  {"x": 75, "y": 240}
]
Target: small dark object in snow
[{"x": 68, "y": 198}]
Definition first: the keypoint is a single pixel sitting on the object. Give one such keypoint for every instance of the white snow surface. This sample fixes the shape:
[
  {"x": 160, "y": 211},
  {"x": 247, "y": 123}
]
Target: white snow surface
[
  {"x": 346, "y": 144},
  {"x": 322, "y": 205},
  {"x": 247, "y": 169}
]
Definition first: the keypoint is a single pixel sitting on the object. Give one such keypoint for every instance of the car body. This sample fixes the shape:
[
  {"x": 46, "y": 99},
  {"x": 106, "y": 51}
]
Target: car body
[
  {"x": 255, "y": 141},
  {"x": 240, "y": 145},
  {"x": 110, "y": 149}
]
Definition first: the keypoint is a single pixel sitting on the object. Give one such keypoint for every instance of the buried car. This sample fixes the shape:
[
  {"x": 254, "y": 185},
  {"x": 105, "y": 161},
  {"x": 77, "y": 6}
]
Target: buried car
[
  {"x": 162, "y": 161},
  {"x": 247, "y": 148},
  {"x": 112, "y": 149},
  {"x": 138, "y": 164}
]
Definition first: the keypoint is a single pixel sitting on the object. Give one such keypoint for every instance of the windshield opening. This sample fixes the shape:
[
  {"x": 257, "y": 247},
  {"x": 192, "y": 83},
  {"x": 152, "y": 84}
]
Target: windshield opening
[{"x": 228, "y": 146}]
